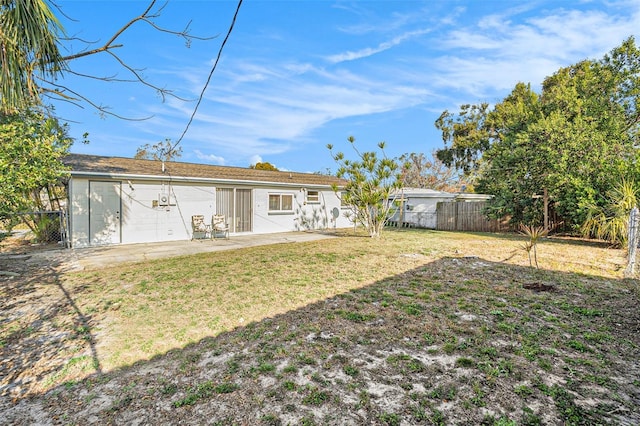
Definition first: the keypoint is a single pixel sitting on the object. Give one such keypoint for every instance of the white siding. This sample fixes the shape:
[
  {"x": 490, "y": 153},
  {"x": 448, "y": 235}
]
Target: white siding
[
  {"x": 142, "y": 220},
  {"x": 266, "y": 222},
  {"x": 420, "y": 211},
  {"x": 423, "y": 212},
  {"x": 304, "y": 216}
]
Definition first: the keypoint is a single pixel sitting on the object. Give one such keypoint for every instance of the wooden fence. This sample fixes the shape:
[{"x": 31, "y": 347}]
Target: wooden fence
[{"x": 467, "y": 216}]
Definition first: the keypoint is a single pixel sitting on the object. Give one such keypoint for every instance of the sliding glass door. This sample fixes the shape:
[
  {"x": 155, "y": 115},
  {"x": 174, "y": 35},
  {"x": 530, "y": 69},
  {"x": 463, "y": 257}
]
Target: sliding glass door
[{"x": 236, "y": 205}]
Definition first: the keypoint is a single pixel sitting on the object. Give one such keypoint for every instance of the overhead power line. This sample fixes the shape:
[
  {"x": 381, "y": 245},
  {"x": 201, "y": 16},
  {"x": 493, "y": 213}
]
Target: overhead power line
[{"x": 215, "y": 65}]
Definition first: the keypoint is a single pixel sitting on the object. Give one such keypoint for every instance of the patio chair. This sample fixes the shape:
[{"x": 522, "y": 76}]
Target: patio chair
[
  {"x": 200, "y": 230},
  {"x": 219, "y": 226}
]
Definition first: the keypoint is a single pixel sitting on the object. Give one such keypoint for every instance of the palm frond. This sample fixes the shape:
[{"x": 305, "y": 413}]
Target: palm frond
[
  {"x": 610, "y": 222},
  {"x": 29, "y": 34}
]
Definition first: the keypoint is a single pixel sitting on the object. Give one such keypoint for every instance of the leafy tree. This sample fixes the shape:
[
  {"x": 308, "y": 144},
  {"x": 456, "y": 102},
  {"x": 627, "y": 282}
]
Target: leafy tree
[
  {"x": 372, "y": 183},
  {"x": 30, "y": 166},
  {"x": 424, "y": 172},
  {"x": 263, "y": 166},
  {"x": 571, "y": 142},
  {"x": 161, "y": 151}
]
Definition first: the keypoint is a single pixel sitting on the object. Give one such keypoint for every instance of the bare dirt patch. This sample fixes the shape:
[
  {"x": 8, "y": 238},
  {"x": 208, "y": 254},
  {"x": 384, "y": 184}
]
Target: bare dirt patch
[{"x": 538, "y": 287}]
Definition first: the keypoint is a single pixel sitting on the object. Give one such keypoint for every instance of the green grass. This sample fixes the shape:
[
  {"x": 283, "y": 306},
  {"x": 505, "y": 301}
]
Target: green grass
[
  {"x": 204, "y": 390},
  {"x": 315, "y": 396},
  {"x": 328, "y": 327},
  {"x": 390, "y": 419},
  {"x": 170, "y": 296}
]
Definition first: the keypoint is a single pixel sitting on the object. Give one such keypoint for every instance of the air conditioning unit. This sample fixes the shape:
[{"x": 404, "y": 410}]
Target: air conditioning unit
[{"x": 164, "y": 200}]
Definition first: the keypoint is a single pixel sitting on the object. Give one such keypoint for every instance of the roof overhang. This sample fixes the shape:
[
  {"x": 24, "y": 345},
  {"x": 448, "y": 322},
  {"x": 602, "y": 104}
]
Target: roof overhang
[
  {"x": 187, "y": 179},
  {"x": 468, "y": 196}
]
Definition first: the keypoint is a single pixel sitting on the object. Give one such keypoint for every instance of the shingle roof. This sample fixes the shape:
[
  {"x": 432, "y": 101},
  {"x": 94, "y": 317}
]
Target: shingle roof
[{"x": 123, "y": 167}]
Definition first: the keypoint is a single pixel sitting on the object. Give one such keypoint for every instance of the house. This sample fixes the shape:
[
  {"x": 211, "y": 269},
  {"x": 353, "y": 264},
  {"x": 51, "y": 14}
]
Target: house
[
  {"x": 417, "y": 207},
  {"x": 115, "y": 200}
]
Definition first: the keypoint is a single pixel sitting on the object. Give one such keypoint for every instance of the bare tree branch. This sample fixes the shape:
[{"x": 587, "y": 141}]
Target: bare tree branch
[
  {"x": 109, "y": 44},
  {"x": 163, "y": 92},
  {"x": 62, "y": 92},
  {"x": 147, "y": 17},
  {"x": 104, "y": 78},
  {"x": 56, "y": 91}
]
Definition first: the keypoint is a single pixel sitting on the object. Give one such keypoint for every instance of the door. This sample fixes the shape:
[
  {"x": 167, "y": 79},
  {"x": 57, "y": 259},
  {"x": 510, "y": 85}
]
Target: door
[
  {"x": 243, "y": 210},
  {"x": 104, "y": 212},
  {"x": 236, "y": 205}
]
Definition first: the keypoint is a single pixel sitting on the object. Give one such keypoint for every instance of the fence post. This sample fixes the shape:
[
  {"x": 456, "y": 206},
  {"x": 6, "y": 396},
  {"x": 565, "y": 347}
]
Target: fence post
[{"x": 634, "y": 218}]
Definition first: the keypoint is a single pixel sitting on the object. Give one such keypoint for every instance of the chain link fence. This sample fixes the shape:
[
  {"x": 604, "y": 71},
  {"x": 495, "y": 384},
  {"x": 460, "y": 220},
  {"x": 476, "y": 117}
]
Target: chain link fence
[
  {"x": 634, "y": 240},
  {"x": 45, "y": 227}
]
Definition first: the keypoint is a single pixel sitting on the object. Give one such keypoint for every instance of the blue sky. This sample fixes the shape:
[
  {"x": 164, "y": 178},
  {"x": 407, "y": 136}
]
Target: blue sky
[{"x": 297, "y": 75}]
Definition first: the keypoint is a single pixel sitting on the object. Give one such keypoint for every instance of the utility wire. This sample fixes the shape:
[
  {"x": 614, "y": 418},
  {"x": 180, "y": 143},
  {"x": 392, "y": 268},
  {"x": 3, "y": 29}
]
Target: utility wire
[{"x": 215, "y": 65}]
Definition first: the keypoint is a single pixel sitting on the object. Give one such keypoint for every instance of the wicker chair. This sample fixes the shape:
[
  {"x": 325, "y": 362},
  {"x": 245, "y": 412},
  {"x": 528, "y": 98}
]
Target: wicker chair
[
  {"x": 200, "y": 230},
  {"x": 219, "y": 227}
]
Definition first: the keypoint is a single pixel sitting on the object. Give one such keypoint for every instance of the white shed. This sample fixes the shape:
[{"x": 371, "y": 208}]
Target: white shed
[
  {"x": 116, "y": 200},
  {"x": 417, "y": 207}
]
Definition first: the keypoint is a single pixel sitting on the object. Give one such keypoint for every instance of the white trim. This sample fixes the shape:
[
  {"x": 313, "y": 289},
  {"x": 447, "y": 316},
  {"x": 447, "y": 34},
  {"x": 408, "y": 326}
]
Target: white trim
[
  {"x": 472, "y": 196},
  {"x": 118, "y": 176}
]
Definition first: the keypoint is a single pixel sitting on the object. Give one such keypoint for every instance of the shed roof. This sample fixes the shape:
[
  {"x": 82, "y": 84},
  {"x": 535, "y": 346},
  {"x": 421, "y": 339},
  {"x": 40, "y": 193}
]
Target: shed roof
[
  {"x": 432, "y": 193},
  {"x": 121, "y": 167},
  {"x": 426, "y": 193}
]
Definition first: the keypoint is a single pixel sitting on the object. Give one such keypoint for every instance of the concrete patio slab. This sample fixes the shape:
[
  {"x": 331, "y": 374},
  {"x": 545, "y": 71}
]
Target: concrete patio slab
[{"x": 105, "y": 256}]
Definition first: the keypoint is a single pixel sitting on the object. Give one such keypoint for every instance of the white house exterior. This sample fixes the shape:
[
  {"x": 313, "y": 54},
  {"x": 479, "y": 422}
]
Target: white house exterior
[
  {"x": 418, "y": 206},
  {"x": 116, "y": 200}
]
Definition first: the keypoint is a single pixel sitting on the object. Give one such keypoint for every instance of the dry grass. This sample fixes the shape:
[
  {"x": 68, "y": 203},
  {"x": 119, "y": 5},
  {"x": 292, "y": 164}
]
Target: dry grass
[
  {"x": 148, "y": 309},
  {"x": 419, "y": 326}
]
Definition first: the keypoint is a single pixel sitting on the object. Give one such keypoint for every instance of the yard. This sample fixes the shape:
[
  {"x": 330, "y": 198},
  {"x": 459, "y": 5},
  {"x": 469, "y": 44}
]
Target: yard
[{"x": 420, "y": 327}]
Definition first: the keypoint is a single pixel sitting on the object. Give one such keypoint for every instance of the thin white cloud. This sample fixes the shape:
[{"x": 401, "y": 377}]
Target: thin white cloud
[
  {"x": 368, "y": 22},
  {"x": 269, "y": 106},
  {"x": 243, "y": 118},
  {"x": 491, "y": 61},
  {"x": 211, "y": 158},
  {"x": 483, "y": 79},
  {"x": 255, "y": 159},
  {"x": 452, "y": 17},
  {"x": 369, "y": 51}
]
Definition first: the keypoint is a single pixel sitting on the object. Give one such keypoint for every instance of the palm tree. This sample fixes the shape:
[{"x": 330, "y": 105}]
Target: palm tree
[
  {"x": 610, "y": 222},
  {"x": 534, "y": 233},
  {"x": 29, "y": 35}
]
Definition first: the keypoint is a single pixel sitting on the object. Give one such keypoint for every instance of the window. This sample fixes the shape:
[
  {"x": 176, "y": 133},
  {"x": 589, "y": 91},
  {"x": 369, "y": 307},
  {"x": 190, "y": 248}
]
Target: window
[
  {"x": 313, "y": 197},
  {"x": 280, "y": 202}
]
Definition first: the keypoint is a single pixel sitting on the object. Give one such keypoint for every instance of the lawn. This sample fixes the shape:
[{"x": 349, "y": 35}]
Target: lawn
[{"x": 419, "y": 327}]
